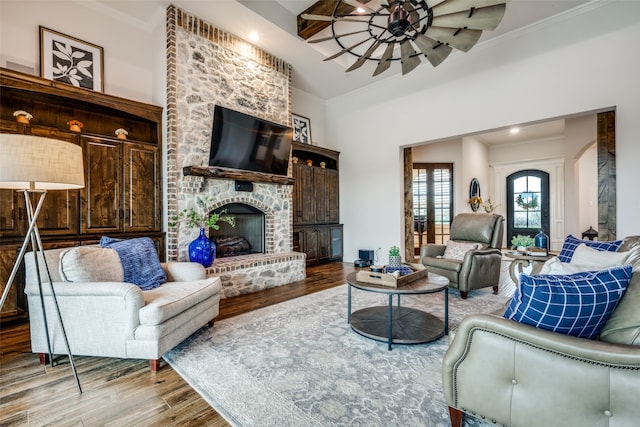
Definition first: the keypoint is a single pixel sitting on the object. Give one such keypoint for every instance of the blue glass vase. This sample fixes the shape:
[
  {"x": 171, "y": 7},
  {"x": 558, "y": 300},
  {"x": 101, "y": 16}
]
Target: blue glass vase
[
  {"x": 202, "y": 250},
  {"x": 542, "y": 240}
]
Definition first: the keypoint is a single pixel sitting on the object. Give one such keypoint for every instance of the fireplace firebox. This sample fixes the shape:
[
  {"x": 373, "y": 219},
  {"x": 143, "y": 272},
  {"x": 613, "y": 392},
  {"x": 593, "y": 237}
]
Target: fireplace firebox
[{"x": 248, "y": 235}]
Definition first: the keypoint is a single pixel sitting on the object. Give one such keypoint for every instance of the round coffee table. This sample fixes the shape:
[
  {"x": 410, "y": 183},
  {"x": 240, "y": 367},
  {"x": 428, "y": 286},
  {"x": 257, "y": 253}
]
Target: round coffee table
[{"x": 398, "y": 324}]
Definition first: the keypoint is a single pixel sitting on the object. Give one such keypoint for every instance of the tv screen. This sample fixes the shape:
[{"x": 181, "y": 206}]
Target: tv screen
[{"x": 241, "y": 141}]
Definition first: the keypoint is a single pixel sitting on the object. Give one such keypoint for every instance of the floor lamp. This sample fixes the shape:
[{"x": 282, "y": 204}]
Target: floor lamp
[{"x": 32, "y": 165}]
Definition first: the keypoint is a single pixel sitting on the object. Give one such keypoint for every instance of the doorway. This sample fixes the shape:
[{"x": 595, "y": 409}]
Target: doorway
[
  {"x": 527, "y": 203},
  {"x": 432, "y": 203}
]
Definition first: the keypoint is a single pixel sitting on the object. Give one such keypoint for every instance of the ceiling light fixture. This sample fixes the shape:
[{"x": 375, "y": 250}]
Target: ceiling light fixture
[
  {"x": 513, "y": 131},
  {"x": 391, "y": 30},
  {"x": 253, "y": 36}
]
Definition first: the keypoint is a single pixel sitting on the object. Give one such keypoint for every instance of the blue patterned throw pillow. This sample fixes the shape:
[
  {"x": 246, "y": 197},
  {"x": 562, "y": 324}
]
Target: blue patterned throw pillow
[
  {"x": 572, "y": 242},
  {"x": 139, "y": 261},
  {"x": 574, "y": 304}
]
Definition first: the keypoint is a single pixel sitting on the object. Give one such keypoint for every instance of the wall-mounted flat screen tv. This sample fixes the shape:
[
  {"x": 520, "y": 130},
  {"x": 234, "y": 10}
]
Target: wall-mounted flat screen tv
[{"x": 241, "y": 141}]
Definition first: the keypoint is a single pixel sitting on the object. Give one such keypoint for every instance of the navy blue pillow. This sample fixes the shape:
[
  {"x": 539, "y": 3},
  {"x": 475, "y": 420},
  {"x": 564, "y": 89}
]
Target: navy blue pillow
[
  {"x": 139, "y": 261},
  {"x": 572, "y": 242},
  {"x": 574, "y": 304}
]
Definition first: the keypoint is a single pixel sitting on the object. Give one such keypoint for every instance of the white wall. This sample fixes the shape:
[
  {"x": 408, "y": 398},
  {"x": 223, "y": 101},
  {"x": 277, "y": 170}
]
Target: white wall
[
  {"x": 309, "y": 106},
  {"x": 502, "y": 85},
  {"x": 128, "y": 49}
]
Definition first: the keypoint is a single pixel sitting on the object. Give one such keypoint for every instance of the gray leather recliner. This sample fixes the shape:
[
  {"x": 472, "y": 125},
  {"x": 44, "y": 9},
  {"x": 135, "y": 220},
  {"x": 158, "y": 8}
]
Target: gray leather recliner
[{"x": 480, "y": 268}]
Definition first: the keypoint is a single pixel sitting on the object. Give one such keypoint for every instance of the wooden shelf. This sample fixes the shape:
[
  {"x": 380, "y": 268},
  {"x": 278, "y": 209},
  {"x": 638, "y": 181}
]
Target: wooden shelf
[{"x": 241, "y": 175}]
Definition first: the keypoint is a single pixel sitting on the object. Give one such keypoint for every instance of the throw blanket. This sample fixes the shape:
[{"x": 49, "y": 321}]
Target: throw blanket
[{"x": 139, "y": 261}]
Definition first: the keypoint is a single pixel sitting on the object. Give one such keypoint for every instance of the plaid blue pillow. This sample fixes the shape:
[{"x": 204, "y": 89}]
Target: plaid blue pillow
[
  {"x": 572, "y": 242},
  {"x": 574, "y": 304}
]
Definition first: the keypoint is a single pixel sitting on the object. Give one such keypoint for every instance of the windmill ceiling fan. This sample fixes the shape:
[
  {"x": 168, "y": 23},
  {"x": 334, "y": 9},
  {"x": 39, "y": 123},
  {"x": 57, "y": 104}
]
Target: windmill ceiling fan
[{"x": 404, "y": 30}]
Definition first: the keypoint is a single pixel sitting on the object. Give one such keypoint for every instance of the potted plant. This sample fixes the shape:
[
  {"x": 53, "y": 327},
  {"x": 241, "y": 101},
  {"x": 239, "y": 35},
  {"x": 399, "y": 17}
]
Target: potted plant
[
  {"x": 521, "y": 243},
  {"x": 394, "y": 256},
  {"x": 202, "y": 250}
]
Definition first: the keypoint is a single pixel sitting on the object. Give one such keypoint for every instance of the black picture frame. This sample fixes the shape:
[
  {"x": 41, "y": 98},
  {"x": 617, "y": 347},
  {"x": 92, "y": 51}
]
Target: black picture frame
[
  {"x": 69, "y": 60},
  {"x": 301, "y": 129}
]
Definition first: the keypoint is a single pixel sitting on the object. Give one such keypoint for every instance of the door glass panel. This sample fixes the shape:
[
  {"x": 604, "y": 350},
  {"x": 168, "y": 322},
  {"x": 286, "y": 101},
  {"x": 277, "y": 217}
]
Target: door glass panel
[
  {"x": 432, "y": 203},
  {"x": 528, "y": 208}
]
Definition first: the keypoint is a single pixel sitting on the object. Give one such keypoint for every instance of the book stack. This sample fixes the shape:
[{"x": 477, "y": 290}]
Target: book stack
[{"x": 533, "y": 251}]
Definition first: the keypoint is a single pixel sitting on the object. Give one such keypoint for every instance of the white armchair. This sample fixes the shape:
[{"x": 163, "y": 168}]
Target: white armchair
[{"x": 118, "y": 319}]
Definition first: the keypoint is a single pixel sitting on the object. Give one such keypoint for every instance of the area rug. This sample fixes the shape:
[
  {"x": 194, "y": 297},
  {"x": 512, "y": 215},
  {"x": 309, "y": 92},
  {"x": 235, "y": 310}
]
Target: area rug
[{"x": 298, "y": 363}]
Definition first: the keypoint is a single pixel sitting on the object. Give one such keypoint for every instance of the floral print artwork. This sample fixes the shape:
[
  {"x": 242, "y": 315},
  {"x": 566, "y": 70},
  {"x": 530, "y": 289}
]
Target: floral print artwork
[{"x": 72, "y": 65}]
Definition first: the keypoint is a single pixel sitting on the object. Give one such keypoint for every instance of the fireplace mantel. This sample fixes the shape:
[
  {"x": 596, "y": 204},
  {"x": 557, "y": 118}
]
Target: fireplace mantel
[{"x": 241, "y": 175}]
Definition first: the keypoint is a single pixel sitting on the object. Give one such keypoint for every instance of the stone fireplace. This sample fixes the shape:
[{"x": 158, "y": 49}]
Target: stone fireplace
[{"x": 205, "y": 67}]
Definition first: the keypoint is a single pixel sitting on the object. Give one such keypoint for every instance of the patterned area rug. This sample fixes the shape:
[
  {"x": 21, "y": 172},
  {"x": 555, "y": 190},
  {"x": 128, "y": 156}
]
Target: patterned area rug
[{"x": 298, "y": 363}]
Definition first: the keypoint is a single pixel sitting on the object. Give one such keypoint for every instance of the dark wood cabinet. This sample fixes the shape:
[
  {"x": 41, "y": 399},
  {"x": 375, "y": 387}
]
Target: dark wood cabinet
[
  {"x": 122, "y": 196},
  {"x": 316, "y": 210}
]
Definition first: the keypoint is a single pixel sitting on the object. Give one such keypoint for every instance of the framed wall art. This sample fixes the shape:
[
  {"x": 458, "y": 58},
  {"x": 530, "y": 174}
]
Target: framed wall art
[
  {"x": 70, "y": 60},
  {"x": 301, "y": 129}
]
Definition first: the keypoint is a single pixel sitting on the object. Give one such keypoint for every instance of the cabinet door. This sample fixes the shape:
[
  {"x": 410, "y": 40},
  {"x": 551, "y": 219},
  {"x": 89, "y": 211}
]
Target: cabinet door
[
  {"x": 102, "y": 210},
  {"x": 326, "y": 195},
  {"x": 320, "y": 194},
  {"x": 324, "y": 243},
  {"x": 304, "y": 198},
  {"x": 310, "y": 244},
  {"x": 11, "y": 211},
  {"x": 336, "y": 242},
  {"x": 15, "y": 304},
  {"x": 141, "y": 188},
  {"x": 332, "y": 196}
]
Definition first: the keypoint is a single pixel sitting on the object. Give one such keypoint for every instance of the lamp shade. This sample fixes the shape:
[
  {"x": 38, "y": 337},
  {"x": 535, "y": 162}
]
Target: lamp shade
[{"x": 33, "y": 162}]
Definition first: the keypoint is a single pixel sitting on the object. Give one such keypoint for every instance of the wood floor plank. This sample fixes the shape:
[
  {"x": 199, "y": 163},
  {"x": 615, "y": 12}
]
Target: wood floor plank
[{"x": 119, "y": 392}]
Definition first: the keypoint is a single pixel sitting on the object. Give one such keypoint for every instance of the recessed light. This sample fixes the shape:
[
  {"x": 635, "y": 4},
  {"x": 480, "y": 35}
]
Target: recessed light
[
  {"x": 360, "y": 10},
  {"x": 253, "y": 35},
  {"x": 513, "y": 131}
]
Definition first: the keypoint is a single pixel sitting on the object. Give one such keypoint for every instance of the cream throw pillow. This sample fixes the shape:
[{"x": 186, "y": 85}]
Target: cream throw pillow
[
  {"x": 589, "y": 259},
  {"x": 456, "y": 250},
  {"x": 91, "y": 264}
]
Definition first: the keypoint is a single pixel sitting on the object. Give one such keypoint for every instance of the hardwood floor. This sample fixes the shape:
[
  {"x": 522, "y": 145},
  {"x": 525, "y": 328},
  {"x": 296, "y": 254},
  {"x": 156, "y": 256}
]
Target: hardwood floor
[{"x": 123, "y": 392}]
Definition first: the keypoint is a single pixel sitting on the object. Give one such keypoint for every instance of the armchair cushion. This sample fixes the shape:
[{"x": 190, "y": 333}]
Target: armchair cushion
[
  {"x": 623, "y": 327},
  {"x": 456, "y": 250},
  {"x": 575, "y": 304},
  {"x": 571, "y": 243},
  {"x": 173, "y": 298},
  {"x": 139, "y": 260},
  {"x": 90, "y": 264}
]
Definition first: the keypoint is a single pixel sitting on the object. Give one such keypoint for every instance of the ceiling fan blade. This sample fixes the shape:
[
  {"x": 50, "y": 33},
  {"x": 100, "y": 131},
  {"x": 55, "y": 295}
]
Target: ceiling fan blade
[
  {"x": 409, "y": 62},
  {"x": 346, "y": 49},
  {"x": 484, "y": 18},
  {"x": 459, "y": 39},
  {"x": 435, "y": 52},
  {"x": 452, "y": 6},
  {"x": 324, "y": 39},
  {"x": 385, "y": 60},
  {"x": 364, "y": 57},
  {"x": 312, "y": 17},
  {"x": 357, "y": 5}
]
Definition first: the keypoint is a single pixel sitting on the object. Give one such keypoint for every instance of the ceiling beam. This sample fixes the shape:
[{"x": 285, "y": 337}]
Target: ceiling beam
[{"x": 308, "y": 28}]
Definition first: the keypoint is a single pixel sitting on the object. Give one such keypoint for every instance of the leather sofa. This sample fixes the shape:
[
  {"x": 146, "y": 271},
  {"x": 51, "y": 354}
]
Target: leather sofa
[
  {"x": 479, "y": 268},
  {"x": 514, "y": 374},
  {"x": 118, "y": 319}
]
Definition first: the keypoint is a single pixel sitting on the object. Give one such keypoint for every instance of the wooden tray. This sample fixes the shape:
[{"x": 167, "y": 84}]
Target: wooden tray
[{"x": 386, "y": 279}]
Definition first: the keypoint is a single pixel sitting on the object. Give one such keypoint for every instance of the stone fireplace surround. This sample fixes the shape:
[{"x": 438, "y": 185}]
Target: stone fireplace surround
[{"x": 206, "y": 66}]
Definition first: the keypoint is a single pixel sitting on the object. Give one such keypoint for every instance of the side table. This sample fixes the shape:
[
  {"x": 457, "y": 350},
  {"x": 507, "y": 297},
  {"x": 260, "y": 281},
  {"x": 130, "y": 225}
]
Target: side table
[{"x": 519, "y": 261}]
